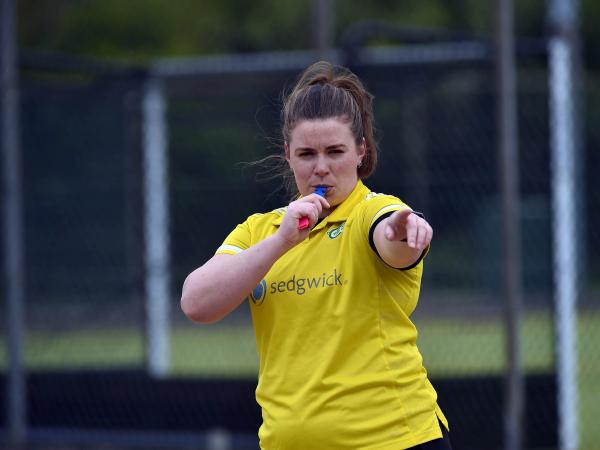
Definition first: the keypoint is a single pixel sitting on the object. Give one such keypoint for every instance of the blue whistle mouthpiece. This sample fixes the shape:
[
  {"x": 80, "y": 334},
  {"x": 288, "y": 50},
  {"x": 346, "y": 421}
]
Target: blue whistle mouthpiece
[
  {"x": 321, "y": 190},
  {"x": 303, "y": 223}
]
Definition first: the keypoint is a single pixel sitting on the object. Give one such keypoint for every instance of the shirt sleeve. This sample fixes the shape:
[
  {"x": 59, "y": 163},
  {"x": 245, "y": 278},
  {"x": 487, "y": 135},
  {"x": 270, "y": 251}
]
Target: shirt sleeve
[
  {"x": 238, "y": 240},
  {"x": 377, "y": 208}
]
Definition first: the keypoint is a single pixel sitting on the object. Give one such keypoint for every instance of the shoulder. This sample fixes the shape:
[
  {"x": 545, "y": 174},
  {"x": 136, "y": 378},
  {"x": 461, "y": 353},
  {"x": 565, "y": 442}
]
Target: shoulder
[
  {"x": 377, "y": 197},
  {"x": 267, "y": 218},
  {"x": 375, "y": 203},
  {"x": 255, "y": 228},
  {"x": 372, "y": 207}
]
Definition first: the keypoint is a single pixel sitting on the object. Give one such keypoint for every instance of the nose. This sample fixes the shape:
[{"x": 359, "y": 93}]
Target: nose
[{"x": 321, "y": 166}]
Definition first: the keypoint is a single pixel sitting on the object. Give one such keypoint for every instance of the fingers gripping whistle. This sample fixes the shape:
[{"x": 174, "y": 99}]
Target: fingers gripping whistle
[{"x": 303, "y": 223}]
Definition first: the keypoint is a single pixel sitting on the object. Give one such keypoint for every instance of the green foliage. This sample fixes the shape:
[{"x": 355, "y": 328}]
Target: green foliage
[
  {"x": 468, "y": 15},
  {"x": 143, "y": 29}
]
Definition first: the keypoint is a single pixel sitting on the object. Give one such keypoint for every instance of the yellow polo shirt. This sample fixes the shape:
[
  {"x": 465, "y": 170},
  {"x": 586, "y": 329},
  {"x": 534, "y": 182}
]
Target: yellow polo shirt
[{"x": 339, "y": 365}]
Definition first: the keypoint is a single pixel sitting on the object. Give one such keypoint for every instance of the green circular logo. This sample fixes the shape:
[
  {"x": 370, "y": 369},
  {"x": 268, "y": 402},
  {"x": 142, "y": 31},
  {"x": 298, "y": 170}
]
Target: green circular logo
[{"x": 335, "y": 232}]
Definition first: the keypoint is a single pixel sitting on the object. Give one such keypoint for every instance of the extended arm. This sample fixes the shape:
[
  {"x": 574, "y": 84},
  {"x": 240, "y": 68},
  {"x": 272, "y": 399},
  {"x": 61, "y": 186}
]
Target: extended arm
[{"x": 402, "y": 238}]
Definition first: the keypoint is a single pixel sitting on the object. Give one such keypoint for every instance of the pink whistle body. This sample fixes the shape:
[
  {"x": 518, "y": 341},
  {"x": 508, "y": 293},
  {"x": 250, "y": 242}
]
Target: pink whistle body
[{"x": 303, "y": 223}]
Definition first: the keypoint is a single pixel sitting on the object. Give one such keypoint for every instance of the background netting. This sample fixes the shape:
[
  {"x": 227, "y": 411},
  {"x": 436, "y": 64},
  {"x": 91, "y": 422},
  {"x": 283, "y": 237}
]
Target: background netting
[{"x": 82, "y": 162}]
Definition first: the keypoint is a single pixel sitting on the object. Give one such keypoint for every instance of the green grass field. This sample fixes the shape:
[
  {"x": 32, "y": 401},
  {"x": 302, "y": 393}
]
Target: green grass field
[{"x": 450, "y": 347}]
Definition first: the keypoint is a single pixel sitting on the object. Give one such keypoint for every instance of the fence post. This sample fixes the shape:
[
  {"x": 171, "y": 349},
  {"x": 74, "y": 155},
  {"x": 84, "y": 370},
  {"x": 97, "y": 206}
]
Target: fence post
[
  {"x": 324, "y": 18},
  {"x": 156, "y": 228},
  {"x": 14, "y": 281},
  {"x": 511, "y": 235},
  {"x": 564, "y": 151}
]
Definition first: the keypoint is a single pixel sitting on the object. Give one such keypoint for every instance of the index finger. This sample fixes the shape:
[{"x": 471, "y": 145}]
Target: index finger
[
  {"x": 401, "y": 216},
  {"x": 317, "y": 199}
]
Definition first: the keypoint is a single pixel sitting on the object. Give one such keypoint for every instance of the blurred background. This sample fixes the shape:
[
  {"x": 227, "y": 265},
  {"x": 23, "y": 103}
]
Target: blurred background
[{"x": 135, "y": 120}]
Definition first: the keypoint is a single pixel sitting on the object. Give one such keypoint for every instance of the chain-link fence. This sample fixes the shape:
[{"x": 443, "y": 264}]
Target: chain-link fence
[{"x": 84, "y": 215}]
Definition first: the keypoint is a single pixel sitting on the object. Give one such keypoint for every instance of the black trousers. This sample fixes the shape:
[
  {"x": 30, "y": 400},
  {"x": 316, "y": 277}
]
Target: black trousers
[{"x": 436, "y": 444}]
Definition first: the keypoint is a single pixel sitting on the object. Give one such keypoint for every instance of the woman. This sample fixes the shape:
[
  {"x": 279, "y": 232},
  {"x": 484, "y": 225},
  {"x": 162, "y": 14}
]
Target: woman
[{"x": 339, "y": 366}]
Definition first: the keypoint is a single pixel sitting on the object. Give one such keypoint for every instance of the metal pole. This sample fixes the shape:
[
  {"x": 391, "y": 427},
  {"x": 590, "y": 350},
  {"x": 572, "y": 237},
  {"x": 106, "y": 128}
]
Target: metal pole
[
  {"x": 563, "y": 123},
  {"x": 13, "y": 228},
  {"x": 324, "y": 21},
  {"x": 156, "y": 229},
  {"x": 509, "y": 176}
]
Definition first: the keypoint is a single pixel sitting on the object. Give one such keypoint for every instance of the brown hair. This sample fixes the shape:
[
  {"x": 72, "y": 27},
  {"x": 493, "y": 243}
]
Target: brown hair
[{"x": 324, "y": 91}]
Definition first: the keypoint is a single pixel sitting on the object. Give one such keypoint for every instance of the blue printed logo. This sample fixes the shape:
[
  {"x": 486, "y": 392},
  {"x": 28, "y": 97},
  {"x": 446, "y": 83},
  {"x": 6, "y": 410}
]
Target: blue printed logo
[
  {"x": 297, "y": 285},
  {"x": 259, "y": 292}
]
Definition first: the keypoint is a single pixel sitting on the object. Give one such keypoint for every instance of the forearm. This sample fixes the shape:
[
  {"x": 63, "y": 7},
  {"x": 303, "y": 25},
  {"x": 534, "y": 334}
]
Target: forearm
[
  {"x": 395, "y": 253},
  {"x": 215, "y": 289}
]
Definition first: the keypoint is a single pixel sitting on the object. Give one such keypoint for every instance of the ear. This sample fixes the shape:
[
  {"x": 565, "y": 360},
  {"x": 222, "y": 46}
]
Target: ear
[{"x": 362, "y": 150}]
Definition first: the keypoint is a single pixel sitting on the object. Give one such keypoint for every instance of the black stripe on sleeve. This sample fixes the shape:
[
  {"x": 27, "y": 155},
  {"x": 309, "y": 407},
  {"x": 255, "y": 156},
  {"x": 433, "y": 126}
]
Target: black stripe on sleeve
[{"x": 374, "y": 248}]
